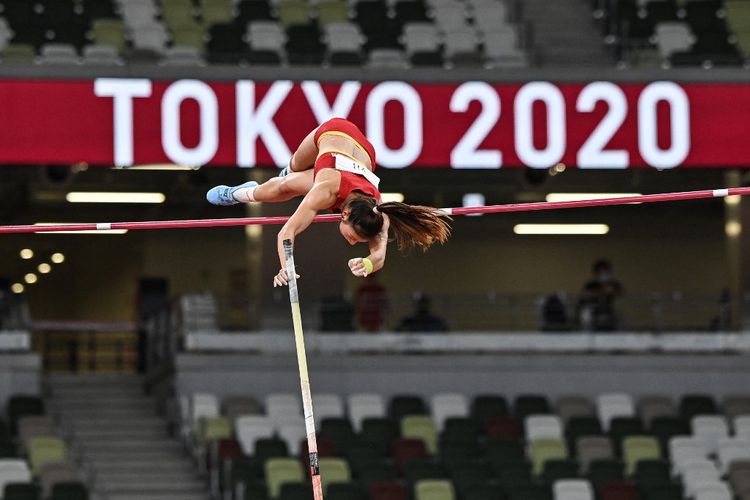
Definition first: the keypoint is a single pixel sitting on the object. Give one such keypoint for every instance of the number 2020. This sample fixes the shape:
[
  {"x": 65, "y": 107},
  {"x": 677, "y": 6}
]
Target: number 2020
[{"x": 593, "y": 152}]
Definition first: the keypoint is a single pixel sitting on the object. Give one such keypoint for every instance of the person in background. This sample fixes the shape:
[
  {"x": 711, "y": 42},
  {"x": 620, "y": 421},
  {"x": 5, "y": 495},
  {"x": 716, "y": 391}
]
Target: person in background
[
  {"x": 422, "y": 320},
  {"x": 370, "y": 304},
  {"x": 596, "y": 306}
]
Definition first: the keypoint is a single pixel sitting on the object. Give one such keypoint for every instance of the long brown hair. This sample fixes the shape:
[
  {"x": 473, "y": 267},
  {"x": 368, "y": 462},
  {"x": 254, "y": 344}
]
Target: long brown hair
[{"x": 412, "y": 225}]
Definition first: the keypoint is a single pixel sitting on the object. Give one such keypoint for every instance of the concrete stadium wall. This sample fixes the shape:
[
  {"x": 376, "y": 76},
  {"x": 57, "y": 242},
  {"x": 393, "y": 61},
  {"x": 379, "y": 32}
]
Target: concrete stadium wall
[{"x": 507, "y": 374}]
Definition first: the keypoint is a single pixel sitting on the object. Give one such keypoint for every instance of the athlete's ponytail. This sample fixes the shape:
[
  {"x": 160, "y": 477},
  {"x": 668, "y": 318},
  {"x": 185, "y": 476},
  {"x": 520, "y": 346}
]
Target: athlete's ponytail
[{"x": 412, "y": 225}]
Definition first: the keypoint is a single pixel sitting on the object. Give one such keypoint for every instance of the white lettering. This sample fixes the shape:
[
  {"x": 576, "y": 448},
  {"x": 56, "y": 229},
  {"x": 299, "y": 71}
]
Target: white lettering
[
  {"x": 467, "y": 154},
  {"x": 123, "y": 91},
  {"x": 592, "y": 154},
  {"x": 257, "y": 122},
  {"x": 554, "y": 103},
  {"x": 679, "y": 121},
  {"x": 409, "y": 99},
  {"x": 209, "y": 123}
]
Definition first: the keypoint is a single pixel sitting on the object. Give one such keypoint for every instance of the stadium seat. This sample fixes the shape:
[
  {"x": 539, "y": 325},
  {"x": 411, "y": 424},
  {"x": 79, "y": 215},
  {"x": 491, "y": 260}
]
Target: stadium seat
[
  {"x": 673, "y": 37},
  {"x": 665, "y": 428},
  {"x": 249, "y": 428},
  {"x": 741, "y": 426},
  {"x": 684, "y": 449},
  {"x": 216, "y": 12},
  {"x": 379, "y": 430},
  {"x": 73, "y": 490},
  {"x": 339, "y": 431},
  {"x": 604, "y": 471},
  {"x": 486, "y": 406},
  {"x": 404, "y": 450},
  {"x": 462, "y": 47},
  {"x": 327, "y": 406},
  {"x": 344, "y": 43},
  {"x": 332, "y": 11},
  {"x": 387, "y": 58},
  {"x": 652, "y": 473},
  {"x": 444, "y": 406},
  {"x": 504, "y": 427},
  {"x": 692, "y": 405},
  {"x": 296, "y": 490},
  {"x": 572, "y": 489},
  {"x": 434, "y": 490},
  {"x": 101, "y": 54},
  {"x": 651, "y": 407},
  {"x": 334, "y": 470},
  {"x": 388, "y": 491},
  {"x": 21, "y": 491},
  {"x": 542, "y": 450},
  {"x": 345, "y": 491},
  {"x": 31, "y": 426},
  {"x": 735, "y": 406},
  {"x": 375, "y": 472},
  {"x": 253, "y": 10},
  {"x": 45, "y": 450},
  {"x": 529, "y": 491},
  {"x": 622, "y": 427},
  {"x": 591, "y": 448},
  {"x": 53, "y": 473},
  {"x": 279, "y": 471},
  {"x": 22, "y": 405},
  {"x": 403, "y": 405},
  {"x": 14, "y": 470},
  {"x": 619, "y": 491},
  {"x": 422, "y": 469},
  {"x": 267, "y": 448},
  {"x": 559, "y": 469},
  {"x": 304, "y": 45},
  {"x": 730, "y": 450},
  {"x": 710, "y": 428},
  {"x": 613, "y": 405},
  {"x": 362, "y": 406},
  {"x": 581, "y": 426},
  {"x": 420, "y": 427},
  {"x": 543, "y": 426},
  {"x": 637, "y": 448},
  {"x": 696, "y": 473},
  {"x": 266, "y": 41},
  {"x": 571, "y": 406},
  {"x": 109, "y": 32}
]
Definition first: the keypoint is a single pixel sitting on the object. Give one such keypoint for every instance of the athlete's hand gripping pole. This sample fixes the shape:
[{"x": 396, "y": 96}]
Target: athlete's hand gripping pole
[{"x": 303, "y": 375}]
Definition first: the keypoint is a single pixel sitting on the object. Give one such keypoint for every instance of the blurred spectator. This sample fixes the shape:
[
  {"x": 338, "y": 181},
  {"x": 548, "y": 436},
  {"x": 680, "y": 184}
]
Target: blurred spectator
[
  {"x": 596, "y": 306},
  {"x": 723, "y": 320},
  {"x": 370, "y": 304},
  {"x": 422, "y": 320},
  {"x": 555, "y": 314}
]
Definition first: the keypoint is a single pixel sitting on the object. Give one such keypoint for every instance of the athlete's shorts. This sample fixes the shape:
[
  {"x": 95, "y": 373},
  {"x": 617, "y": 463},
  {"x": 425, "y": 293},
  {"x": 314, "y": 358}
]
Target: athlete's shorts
[{"x": 345, "y": 128}]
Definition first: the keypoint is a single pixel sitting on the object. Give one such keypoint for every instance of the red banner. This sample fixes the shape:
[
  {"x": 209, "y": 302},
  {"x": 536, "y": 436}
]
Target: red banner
[{"x": 470, "y": 125}]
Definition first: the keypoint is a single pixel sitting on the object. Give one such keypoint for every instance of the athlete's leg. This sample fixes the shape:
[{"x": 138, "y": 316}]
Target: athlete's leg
[
  {"x": 284, "y": 188},
  {"x": 306, "y": 154}
]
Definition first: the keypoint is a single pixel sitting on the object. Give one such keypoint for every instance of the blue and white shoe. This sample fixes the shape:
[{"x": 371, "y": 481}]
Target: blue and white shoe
[
  {"x": 284, "y": 171},
  {"x": 224, "y": 195}
]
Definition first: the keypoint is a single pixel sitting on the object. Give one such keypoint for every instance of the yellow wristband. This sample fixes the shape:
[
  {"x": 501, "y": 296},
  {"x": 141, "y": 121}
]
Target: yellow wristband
[{"x": 368, "y": 265}]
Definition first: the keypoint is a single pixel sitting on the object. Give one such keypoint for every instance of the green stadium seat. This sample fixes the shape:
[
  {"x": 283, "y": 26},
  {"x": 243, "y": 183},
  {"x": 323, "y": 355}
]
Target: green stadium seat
[
  {"x": 45, "y": 450},
  {"x": 190, "y": 35},
  {"x": 334, "y": 470},
  {"x": 294, "y": 13},
  {"x": 279, "y": 471},
  {"x": 434, "y": 490},
  {"x": 332, "y": 11},
  {"x": 420, "y": 427},
  {"x": 109, "y": 32},
  {"x": 544, "y": 449},
  {"x": 637, "y": 448}
]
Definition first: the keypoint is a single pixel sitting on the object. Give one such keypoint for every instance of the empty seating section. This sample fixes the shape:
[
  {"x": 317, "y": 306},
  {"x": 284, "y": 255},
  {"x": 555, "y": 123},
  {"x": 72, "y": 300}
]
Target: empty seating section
[
  {"x": 35, "y": 462},
  {"x": 704, "y": 33},
  {"x": 453, "y": 447},
  {"x": 382, "y": 33}
]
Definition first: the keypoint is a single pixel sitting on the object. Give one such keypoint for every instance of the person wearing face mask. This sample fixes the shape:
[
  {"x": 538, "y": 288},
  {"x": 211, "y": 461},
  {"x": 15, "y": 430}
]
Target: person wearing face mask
[{"x": 596, "y": 305}]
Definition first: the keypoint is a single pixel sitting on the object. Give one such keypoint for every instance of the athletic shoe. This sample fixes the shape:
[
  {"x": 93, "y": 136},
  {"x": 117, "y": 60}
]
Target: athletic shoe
[
  {"x": 284, "y": 171},
  {"x": 224, "y": 195}
]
